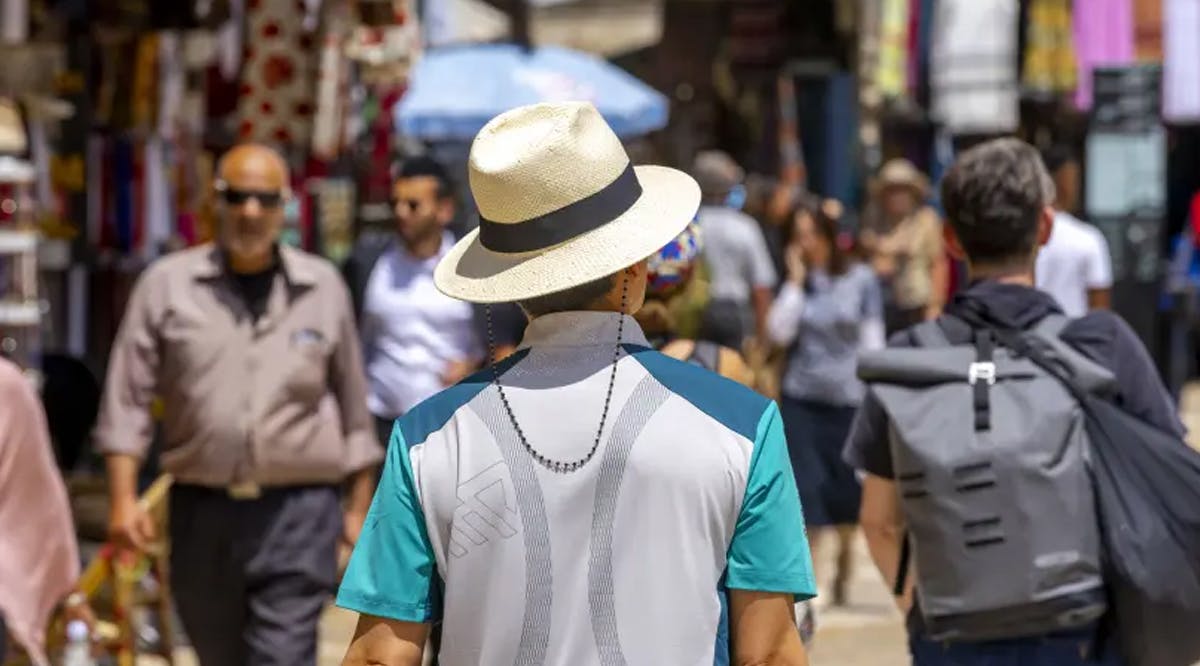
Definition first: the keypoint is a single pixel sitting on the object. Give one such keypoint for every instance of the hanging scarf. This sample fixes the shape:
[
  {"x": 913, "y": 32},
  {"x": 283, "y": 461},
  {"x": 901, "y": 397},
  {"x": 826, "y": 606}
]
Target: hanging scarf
[{"x": 1049, "y": 52}]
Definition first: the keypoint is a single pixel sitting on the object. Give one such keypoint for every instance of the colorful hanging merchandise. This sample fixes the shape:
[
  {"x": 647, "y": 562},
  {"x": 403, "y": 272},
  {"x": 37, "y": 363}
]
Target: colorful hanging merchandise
[
  {"x": 892, "y": 74},
  {"x": 973, "y": 66},
  {"x": 1181, "y": 68},
  {"x": 1148, "y": 30},
  {"x": 279, "y": 73},
  {"x": 1050, "y": 67},
  {"x": 1103, "y": 38}
]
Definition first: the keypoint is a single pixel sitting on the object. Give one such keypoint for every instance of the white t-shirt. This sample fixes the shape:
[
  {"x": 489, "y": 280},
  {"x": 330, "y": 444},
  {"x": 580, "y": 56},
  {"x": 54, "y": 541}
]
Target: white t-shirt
[
  {"x": 411, "y": 331},
  {"x": 1075, "y": 260}
]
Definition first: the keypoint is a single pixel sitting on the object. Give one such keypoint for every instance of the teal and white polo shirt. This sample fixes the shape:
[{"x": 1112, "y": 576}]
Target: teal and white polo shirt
[{"x": 624, "y": 561}]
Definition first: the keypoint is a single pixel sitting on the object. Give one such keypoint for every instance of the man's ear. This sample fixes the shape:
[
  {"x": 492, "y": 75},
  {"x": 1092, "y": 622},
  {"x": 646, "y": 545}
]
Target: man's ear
[
  {"x": 1045, "y": 225},
  {"x": 953, "y": 246},
  {"x": 445, "y": 211}
]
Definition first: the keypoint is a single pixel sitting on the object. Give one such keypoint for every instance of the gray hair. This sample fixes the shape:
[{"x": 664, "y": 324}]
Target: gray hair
[{"x": 994, "y": 195}]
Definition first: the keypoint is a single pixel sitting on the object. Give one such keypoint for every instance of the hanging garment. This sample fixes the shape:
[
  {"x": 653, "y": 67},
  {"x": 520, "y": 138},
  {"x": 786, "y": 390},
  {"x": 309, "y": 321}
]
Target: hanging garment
[
  {"x": 973, "y": 66},
  {"x": 1049, "y": 52},
  {"x": 333, "y": 84},
  {"x": 1103, "y": 37},
  {"x": 278, "y": 76},
  {"x": 892, "y": 74},
  {"x": 1148, "y": 30},
  {"x": 1181, "y": 68}
]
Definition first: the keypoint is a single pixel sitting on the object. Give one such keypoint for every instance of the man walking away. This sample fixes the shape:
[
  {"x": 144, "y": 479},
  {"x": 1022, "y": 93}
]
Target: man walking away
[
  {"x": 252, "y": 347},
  {"x": 997, "y": 200},
  {"x": 741, "y": 274},
  {"x": 588, "y": 501},
  {"x": 1074, "y": 266}
]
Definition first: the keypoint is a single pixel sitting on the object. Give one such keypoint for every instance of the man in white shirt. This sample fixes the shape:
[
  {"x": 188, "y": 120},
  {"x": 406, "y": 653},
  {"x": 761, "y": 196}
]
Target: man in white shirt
[
  {"x": 1075, "y": 266},
  {"x": 417, "y": 341}
]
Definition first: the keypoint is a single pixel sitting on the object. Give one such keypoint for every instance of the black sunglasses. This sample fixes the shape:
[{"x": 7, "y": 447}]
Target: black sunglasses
[{"x": 236, "y": 197}]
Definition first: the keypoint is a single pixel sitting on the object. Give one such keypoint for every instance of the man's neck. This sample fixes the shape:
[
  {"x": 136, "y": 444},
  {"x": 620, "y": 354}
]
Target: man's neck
[
  {"x": 250, "y": 266},
  {"x": 424, "y": 248},
  {"x": 1022, "y": 276}
]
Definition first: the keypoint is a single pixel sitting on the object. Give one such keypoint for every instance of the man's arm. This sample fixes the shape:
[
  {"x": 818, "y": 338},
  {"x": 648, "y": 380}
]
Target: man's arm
[
  {"x": 382, "y": 642},
  {"x": 883, "y": 526},
  {"x": 763, "y": 629},
  {"x": 125, "y": 426},
  {"x": 1099, "y": 299},
  {"x": 769, "y": 566}
]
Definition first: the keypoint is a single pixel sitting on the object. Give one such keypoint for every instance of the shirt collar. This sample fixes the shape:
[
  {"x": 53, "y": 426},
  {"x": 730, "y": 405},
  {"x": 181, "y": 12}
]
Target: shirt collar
[
  {"x": 582, "y": 329},
  {"x": 211, "y": 265}
]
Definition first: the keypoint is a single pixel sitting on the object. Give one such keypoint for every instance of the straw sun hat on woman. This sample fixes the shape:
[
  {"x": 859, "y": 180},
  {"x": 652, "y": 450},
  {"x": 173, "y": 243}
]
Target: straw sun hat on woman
[{"x": 560, "y": 206}]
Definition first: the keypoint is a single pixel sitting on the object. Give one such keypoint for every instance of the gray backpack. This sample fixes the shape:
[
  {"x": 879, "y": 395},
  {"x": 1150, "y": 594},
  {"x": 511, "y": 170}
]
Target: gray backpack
[{"x": 990, "y": 454}]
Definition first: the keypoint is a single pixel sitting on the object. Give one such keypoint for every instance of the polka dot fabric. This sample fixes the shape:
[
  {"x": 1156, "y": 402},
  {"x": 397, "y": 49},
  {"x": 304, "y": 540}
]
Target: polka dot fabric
[{"x": 278, "y": 75}]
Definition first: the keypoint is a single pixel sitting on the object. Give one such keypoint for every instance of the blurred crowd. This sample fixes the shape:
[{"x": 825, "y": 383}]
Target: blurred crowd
[{"x": 252, "y": 341}]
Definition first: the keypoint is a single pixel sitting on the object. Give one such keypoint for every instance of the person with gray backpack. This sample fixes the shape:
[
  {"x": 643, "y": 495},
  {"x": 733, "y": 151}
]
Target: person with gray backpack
[{"x": 979, "y": 500}]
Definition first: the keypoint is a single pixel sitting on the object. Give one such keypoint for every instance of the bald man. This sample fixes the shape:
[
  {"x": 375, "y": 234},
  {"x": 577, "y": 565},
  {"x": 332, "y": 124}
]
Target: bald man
[{"x": 252, "y": 347}]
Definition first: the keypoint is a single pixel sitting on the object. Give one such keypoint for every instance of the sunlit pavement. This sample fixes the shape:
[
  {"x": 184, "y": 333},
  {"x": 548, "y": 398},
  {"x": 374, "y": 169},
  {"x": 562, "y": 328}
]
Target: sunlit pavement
[{"x": 867, "y": 632}]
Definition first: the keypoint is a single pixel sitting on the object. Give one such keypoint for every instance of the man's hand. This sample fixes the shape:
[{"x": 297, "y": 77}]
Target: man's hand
[
  {"x": 456, "y": 371},
  {"x": 796, "y": 270},
  {"x": 130, "y": 527}
]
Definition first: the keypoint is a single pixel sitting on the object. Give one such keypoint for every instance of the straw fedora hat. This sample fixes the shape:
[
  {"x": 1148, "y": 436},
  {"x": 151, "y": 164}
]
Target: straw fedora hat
[
  {"x": 560, "y": 205},
  {"x": 900, "y": 172}
]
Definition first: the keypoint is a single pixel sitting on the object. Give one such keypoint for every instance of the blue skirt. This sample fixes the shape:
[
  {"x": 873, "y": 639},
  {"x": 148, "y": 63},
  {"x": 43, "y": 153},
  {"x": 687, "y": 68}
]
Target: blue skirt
[{"x": 816, "y": 434}]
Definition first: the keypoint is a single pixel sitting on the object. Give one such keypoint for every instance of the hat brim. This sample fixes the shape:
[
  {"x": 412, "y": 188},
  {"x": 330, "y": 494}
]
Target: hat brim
[{"x": 669, "y": 201}]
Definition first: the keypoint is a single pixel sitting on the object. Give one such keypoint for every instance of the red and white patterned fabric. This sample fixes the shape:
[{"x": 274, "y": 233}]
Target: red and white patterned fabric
[{"x": 279, "y": 73}]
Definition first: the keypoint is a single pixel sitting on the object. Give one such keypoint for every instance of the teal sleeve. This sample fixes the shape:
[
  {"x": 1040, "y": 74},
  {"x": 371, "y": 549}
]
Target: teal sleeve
[
  {"x": 769, "y": 551},
  {"x": 393, "y": 571}
]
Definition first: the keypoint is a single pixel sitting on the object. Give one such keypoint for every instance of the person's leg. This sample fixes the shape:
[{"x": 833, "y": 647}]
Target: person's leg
[
  {"x": 842, "y": 493},
  {"x": 206, "y": 578},
  {"x": 845, "y": 563},
  {"x": 291, "y": 574}
]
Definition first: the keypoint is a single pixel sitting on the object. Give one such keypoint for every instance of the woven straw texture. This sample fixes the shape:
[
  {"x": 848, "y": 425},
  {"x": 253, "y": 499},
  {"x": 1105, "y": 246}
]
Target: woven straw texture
[{"x": 538, "y": 159}]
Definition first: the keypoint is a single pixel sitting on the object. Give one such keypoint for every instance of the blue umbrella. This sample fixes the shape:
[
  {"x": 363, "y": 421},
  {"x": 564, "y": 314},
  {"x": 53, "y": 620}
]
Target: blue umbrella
[{"x": 455, "y": 90}]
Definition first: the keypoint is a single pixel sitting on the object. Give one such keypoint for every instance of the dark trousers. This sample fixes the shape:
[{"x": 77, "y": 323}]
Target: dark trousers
[
  {"x": 251, "y": 577},
  {"x": 1077, "y": 648}
]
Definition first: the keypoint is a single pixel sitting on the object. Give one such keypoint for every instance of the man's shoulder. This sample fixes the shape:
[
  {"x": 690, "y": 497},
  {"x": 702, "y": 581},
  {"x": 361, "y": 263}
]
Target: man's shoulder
[
  {"x": 733, "y": 405},
  {"x": 1100, "y": 329},
  {"x": 432, "y": 414},
  {"x": 316, "y": 266}
]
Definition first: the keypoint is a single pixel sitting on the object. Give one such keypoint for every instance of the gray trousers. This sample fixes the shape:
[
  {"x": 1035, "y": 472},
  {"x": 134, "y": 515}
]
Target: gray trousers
[{"x": 251, "y": 578}]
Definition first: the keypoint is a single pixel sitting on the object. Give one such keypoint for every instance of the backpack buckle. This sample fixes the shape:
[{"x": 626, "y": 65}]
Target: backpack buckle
[{"x": 982, "y": 371}]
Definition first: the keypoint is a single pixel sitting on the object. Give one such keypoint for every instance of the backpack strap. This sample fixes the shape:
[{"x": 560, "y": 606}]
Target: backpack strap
[{"x": 1052, "y": 325}]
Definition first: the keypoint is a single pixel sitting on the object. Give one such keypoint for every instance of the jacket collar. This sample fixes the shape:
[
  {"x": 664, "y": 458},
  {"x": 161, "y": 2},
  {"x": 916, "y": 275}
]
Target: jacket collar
[{"x": 212, "y": 265}]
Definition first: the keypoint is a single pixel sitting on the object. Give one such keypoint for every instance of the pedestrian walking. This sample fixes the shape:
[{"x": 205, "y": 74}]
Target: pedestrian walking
[
  {"x": 1075, "y": 266},
  {"x": 672, "y": 316},
  {"x": 828, "y": 311},
  {"x": 742, "y": 275},
  {"x": 979, "y": 459},
  {"x": 589, "y": 500},
  {"x": 252, "y": 347},
  {"x": 416, "y": 341},
  {"x": 902, "y": 238},
  {"x": 39, "y": 559}
]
